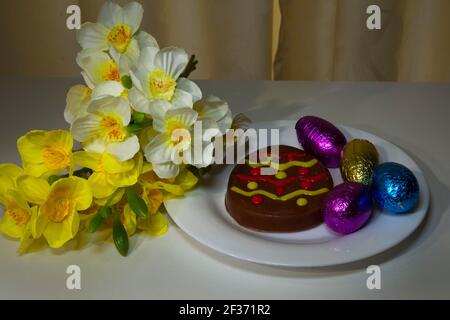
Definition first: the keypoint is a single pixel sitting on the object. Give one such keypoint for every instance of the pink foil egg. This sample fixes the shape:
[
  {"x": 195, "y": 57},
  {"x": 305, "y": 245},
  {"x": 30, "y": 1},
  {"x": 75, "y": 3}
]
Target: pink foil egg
[
  {"x": 347, "y": 207},
  {"x": 322, "y": 139}
]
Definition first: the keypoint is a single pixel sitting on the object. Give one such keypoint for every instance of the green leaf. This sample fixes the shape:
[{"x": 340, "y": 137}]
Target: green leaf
[
  {"x": 97, "y": 221},
  {"x": 137, "y": 204},
  {"x": 52, "y": 179},
  {"x": 135, "y": 127},
  {"x": 120, "y": 236},
  {"x": 138, "y": 117},
  {"x": 126, "y": 82}
]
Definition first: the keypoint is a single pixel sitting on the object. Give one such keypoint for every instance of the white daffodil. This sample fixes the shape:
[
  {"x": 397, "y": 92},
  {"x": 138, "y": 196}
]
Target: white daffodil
[
  {"x": 174, "y": 141},
  {"x": 116, "y": 31},
  {"x": 77, "y": 101},
  {"x": 157, "y": 82},
  {"x": 215, "y": 109},
  {"x": 101, "y": 74},
  {"x": 105, "y": 128}
]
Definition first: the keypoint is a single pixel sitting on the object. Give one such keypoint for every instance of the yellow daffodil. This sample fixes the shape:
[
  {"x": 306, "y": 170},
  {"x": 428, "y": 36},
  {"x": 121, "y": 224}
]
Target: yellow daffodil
[
  {"x": 17, "y": 211},
  {"x": 157, "y": 82},
  {"x": 127, "y": 217},
  {"x": 105, "y": 129},
  {"x": 174, "y": 187},
  {"x": 58, "y": 219},
  {"x": 176, "y": 142},
  {"x": 109, "y": 174},
  {"x": 116, "y": 31},
  {"x": 101, "y": 74},
  {"x": 155, "y": 223},
  {"x": 77, "y": 102},
  {"x": 46, "y": 153}
]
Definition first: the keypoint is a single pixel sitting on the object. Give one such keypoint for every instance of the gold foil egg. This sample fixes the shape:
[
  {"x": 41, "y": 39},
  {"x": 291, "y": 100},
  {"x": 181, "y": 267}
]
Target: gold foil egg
[{"x": 359, "y": 158}]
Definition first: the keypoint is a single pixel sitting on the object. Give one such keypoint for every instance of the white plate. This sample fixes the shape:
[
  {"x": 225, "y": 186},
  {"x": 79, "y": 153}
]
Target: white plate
[{"x": 202, "y": 215}]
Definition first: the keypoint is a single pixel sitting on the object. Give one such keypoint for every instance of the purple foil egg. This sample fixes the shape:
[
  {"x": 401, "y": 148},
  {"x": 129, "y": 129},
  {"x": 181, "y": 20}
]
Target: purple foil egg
[
  {"x": 322, "y": 139},
  {"x": 347, "y": 207}
]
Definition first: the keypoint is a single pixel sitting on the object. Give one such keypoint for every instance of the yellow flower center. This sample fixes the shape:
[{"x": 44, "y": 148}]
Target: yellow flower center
[
  {"x": 124, "y": 94},
  {"x": 120, "y": 36},
  {"x": 58, "y": 206},
  {"x": 86, "y": 92},
  {"x": 18, "y": 214},
  {"x": 55, "y": 158},
  {"x": 162, "y": 85},
  {"x": 110, "y": 71},
  {"x": 113, "y": 129}
]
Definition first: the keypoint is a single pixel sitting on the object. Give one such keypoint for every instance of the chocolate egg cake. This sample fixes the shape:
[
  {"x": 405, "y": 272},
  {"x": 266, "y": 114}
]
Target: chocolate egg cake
[{"x": 289, "y": 200}]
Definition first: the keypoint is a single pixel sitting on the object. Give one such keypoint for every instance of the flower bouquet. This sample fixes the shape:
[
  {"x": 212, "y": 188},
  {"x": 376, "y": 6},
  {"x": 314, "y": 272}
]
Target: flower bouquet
[{"x": 121, "y": 160}]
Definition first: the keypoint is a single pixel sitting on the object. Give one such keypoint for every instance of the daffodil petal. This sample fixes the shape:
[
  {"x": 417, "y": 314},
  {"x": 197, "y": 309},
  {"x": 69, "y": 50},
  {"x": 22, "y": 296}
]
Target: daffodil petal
[
  {"x": 107, "y": 88},
  {"x": 85, "y": 127},
  {"x": 100, "y": 186},
  {"x": 129, "y": 220},
  {"x": 132, "y": 15},
  {"x": 190, "y": 87},
  {"x": 172, "y": 60},
  {"x": 156, "y": 224},
  {"x": 129, "y": 58},
  {"x": 77, "y": 190},
  {"x": 112, "y": 165},
  {"x": 182, "y": 99},
  {"x": 186, "y": 180},
  {"x": 146, "y": 63},
  {"x": 110, "y": 14},
  {"x": 97, "y": 65},
  {"x": 185, "y": 116},
  {"x": 138, "y": 101},
  {"x": 10, "y": 170},
  {"x": 128, "y": 178},
  {"x": 146, "y": 40},
  {"x": 58, "y": 234},
  {"x": 35, "y": 190},
  {"x": 38, "y": 222},
  {"x": 158, "y": 109},
  {"x": 96, "y": 146},
  {"x": 93, "y": 35},
  {"x": 159, "y": 150},
  {"x": 87, "y": 159},
  {"x": 211, "y": 107},
  {"x": 9, "y": 227},
  {"x": 126, "y": 149},
  {"x": 166, "y": 170},
  {"x": 112, "y": 105},
  {"x": 77, "y": 101}
]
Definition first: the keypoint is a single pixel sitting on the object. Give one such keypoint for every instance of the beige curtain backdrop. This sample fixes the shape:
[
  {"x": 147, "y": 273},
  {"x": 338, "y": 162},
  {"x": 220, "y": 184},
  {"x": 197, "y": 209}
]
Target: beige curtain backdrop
[
  {"x": 231, "y": 38},
  {"x": 241, "y": 39},
  {"x": 328, "y": 40}
]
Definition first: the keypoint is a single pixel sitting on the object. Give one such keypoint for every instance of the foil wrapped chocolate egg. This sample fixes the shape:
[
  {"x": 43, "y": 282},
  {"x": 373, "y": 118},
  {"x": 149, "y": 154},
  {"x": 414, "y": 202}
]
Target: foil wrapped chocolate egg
[
  {"x": 322, "y": 139},
  {"x": 359, "y": 159},
  {"x": 394, "y": 188},
  {"x": 347, "y": 207}
]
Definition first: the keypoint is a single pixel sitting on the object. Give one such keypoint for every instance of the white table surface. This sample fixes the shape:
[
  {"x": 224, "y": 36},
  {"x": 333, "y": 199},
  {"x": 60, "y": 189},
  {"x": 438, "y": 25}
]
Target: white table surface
[{"x": 414, "y": 116}]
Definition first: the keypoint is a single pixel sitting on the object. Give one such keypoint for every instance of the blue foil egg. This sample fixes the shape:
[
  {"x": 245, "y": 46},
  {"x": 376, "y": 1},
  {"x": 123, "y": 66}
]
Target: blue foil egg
[{"x": 394, "y": 188}]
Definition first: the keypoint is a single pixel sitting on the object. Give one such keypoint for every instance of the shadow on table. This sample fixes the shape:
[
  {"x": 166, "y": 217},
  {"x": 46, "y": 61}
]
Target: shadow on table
[{"x": 439, "y": 203}]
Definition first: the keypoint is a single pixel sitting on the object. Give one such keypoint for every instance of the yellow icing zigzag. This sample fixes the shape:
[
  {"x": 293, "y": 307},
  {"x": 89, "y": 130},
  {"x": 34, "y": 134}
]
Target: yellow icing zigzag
[
  {"x": 282, "y": 198},
  {"x": 286, "y": 165}
]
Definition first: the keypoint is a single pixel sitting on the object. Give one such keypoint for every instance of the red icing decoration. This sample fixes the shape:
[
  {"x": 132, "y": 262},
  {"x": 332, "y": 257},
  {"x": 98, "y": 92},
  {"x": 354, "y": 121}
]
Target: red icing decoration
[
  {"x": 279, "y": 191},
  {"x": 303, "y": 171},
  {"x": 257, "y": 199},
  {"x": 283, "y": 182},
  {"x": 306, "y": 184},
  {"x": 289, "y": 156}
]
